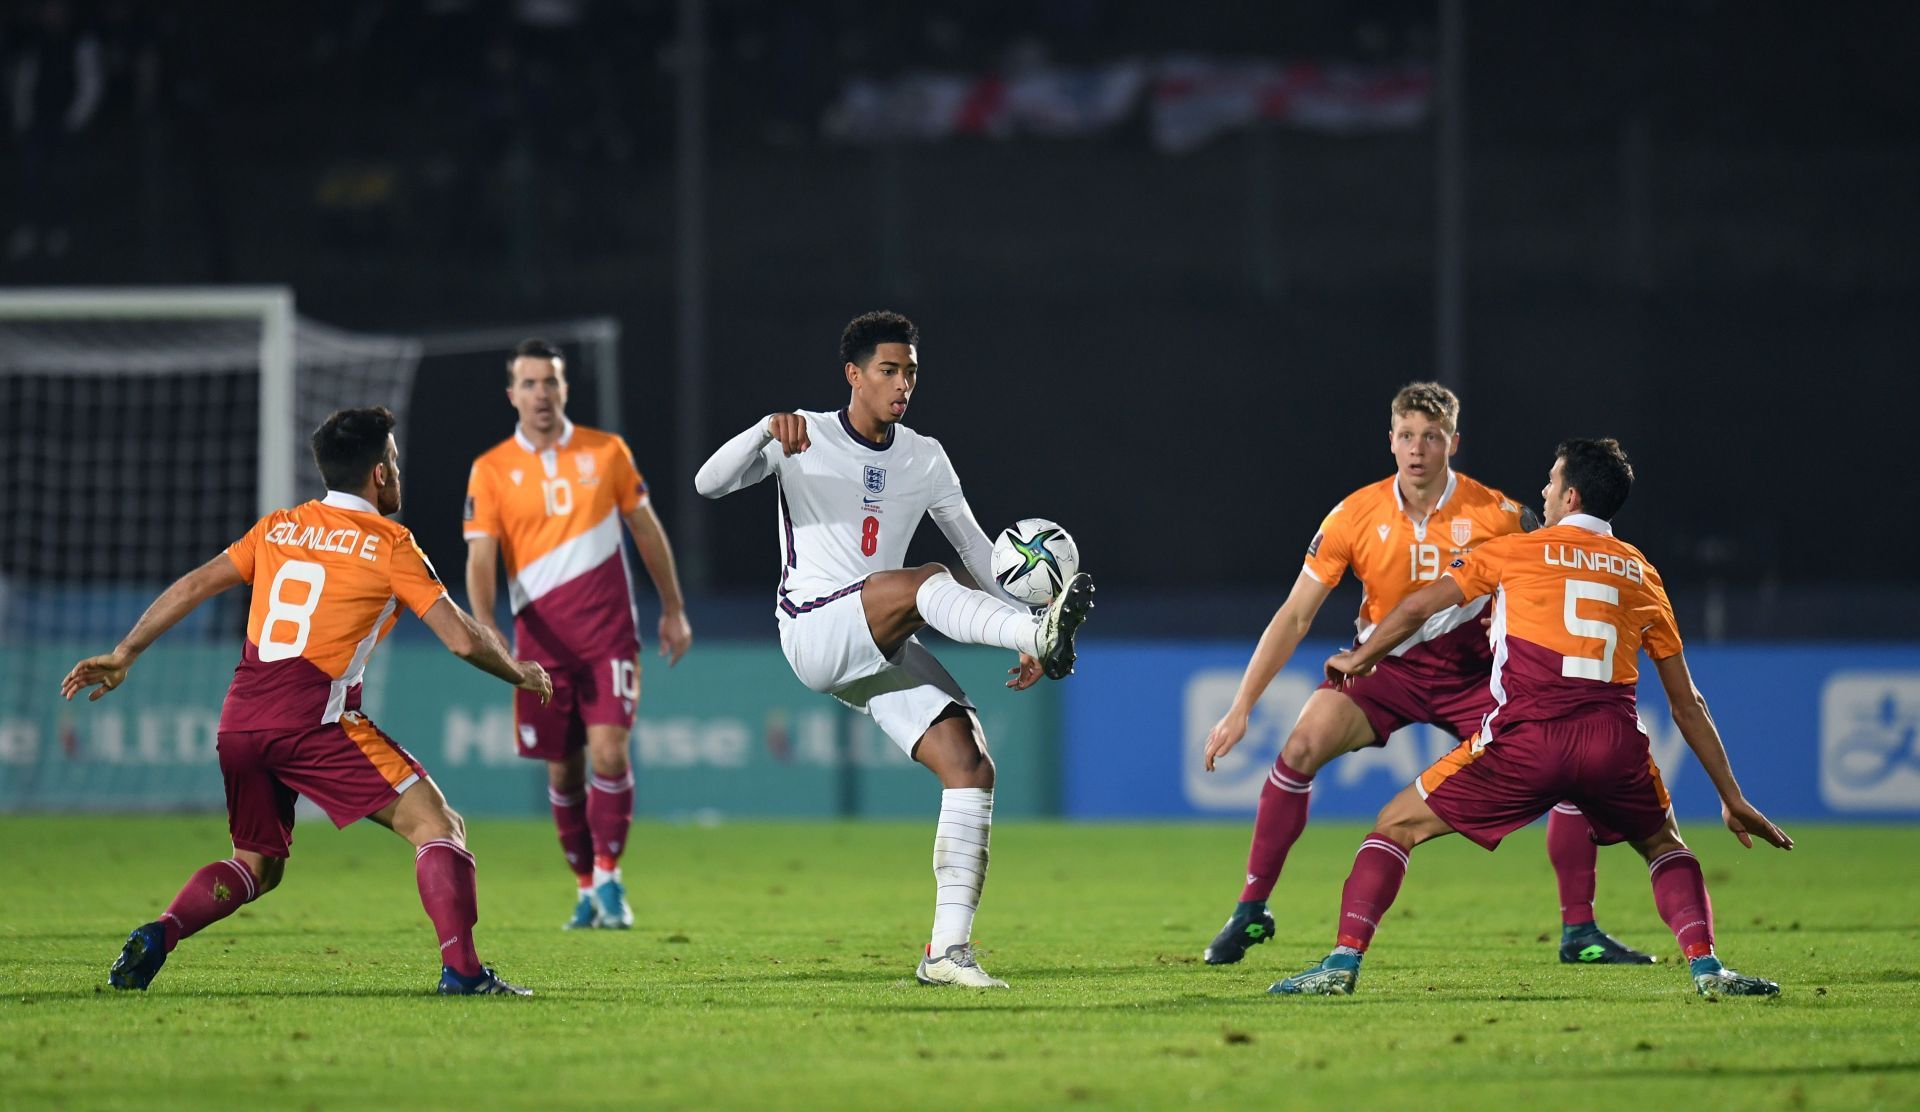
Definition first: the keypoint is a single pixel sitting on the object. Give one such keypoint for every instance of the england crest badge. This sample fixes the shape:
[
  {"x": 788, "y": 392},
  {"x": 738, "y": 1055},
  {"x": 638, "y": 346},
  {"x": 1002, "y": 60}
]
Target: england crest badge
[{"x": 876, "y": 479}]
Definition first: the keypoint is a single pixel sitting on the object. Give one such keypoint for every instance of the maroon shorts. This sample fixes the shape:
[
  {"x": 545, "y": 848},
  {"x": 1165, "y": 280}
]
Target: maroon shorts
[
  {"x": 1599, "y": 763},
  {"x": 1398, "y": 693},
  {"x": 600, "y": 694},
  {"x": 350, "y": 768}
]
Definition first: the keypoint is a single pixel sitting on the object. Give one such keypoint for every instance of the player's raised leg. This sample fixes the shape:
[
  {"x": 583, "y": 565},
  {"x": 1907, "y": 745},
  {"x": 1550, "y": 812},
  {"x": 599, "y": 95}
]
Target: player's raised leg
[
  {"x": 1378, "y": 868},
  {"x": 445, "y": 871},
  {"x": 1575, "y": 857},
  {"x": 1330, "y": 725},
  {"x": 610, "y": 815},
  {"x": 898, "y": 603},
  {"x": 955, "y": 750},
  {"x": 1680, "y": 895}
]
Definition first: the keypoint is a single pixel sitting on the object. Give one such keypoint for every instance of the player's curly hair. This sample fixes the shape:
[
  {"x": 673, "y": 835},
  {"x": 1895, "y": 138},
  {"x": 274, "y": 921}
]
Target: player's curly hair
[
  {"x": 1430, "y": 398},
  {"x": 535, "y": 349},
  {"x": 1597, "y": 467},
  {"x": 349, "y": 443},
  {"x": 869, "y": 330}
]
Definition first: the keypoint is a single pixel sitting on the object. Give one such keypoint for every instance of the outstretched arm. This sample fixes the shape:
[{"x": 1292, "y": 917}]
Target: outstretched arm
[
  {"x": 650, "y": 538},
  {"x": 742, "y": 461},
  {"x": 467, "y": 640},
  {"x": 1397, "y": 626},
  {"x": 1690, "y": 714},
  {"x": 1290, "y": 623},
  {"x": 108, "y": 671}
]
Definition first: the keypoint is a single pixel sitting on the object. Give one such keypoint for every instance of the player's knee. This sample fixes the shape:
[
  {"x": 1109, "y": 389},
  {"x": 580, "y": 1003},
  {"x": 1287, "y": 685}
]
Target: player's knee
[
  {"x": 980, "y": 770},
  {"x": 1306, "y": 750},
  {"x": 1665, "y": 841},
  {"x": 927, "y": 571}
]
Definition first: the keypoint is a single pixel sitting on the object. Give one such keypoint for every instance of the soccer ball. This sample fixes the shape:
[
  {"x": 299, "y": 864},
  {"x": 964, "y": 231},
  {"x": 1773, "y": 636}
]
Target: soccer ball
[{"x": 1033, "y": 558}]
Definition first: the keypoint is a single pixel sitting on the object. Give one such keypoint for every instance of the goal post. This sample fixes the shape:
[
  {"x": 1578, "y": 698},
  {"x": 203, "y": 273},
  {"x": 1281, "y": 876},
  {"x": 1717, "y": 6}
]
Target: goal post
[{"x": 270, "y": 306}]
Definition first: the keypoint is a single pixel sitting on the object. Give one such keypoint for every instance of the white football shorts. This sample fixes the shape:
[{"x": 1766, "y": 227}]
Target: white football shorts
[{"x": 831, "y": 650}]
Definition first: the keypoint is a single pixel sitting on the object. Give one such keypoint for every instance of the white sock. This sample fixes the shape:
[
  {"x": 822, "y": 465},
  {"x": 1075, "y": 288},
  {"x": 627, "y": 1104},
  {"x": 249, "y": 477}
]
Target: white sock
[
  {"x": 959, "y": 863},
  {"x": 975, "y": 617},
  {"x": 601, "y": 876}
]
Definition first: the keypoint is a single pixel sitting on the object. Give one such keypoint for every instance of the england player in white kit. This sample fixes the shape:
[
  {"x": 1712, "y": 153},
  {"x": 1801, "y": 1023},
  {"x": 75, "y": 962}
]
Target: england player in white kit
[{"x": 852, "y": 488}]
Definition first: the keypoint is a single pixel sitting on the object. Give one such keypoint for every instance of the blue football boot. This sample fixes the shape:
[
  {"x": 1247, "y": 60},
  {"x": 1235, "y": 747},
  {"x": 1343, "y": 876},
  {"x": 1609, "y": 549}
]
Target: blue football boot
[
  {"x": 1334, "y": 976},
  {"x": 1587, "y": 944},
  {"x": 484, "y": 983},
  {"x": 140, "y": 959},
  {"x": 1711, "y": 979},
  {"x": 611, "y": 897},
  {"x": 586, "y": 913},
  {"x": 1250, "y": 925}
]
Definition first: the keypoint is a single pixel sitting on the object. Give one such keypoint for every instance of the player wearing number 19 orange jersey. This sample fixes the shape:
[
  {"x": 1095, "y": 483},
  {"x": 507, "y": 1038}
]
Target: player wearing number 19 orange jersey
[
  {"x": 1395, "y": 536},
  {"x": 1573, "y": 605},
  {"x": 329, "y": 577}
]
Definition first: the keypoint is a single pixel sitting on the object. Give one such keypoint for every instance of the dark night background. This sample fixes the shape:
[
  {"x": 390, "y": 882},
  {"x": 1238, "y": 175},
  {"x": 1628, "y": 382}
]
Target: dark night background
[{"x": 1688, "y": 225}]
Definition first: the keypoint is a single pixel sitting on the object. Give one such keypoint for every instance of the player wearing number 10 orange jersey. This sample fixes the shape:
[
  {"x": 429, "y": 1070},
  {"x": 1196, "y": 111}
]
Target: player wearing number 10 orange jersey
[
  {"x": 1573, "y": 605},
  {"x": 329, "y": 577},
  {"x": 552, "y": 501}
]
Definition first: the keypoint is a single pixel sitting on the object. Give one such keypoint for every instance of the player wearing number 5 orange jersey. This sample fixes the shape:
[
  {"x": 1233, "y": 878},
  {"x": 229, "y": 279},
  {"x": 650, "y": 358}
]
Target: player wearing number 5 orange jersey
[
  {"x": 1573, "y": 605},
  {"x": 551, "y": 501},
  {"x": 329, "y": 577},
  {"x": 1395, "y": 536}
]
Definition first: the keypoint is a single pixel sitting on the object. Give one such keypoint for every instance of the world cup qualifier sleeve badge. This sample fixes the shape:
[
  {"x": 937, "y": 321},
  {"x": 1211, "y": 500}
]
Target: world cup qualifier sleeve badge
[{"x": 876, "y": 479}]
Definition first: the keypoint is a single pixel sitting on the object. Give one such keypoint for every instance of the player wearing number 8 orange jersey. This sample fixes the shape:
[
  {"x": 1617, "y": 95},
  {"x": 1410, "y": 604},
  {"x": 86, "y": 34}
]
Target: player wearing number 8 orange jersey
[
  {"x": 1573, "y": 605},
  {"x": 1395, "y": 536},
  {"x": 329, "y": 577},
  {"x": 551, "y": 501}
]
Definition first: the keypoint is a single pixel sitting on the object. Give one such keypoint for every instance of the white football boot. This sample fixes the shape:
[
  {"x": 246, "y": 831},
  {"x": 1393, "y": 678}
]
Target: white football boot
[{"x": 955, "y": 967}]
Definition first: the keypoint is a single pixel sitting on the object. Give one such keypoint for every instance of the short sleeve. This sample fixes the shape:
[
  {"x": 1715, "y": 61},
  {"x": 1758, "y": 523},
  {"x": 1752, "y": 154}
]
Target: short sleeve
[
  {"x": 1478, "y": 572},
  {"x": 1330, "y": 551},
  {"x": 1661, "y": 638},
  {"x": 482, "y": 516},
  {"x": 630, "y": 487},
  {"x": 243, "y": 551},
  {"x": 411, "y": 575}
]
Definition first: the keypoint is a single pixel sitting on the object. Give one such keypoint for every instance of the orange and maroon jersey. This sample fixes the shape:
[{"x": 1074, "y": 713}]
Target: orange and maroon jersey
[
  {"x": 1393, "y": 555},
  {"x": 328, "y": 579},
  {"x": 1573, "y": 607},
  {"x": 557, "y": 516}
]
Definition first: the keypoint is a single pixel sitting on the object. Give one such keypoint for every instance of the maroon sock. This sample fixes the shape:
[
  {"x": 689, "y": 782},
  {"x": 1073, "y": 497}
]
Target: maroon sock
[
  {"x": 610, "y": 814},
  {"x": 1680, "y": 895},
  {"x": 1378, "y": 869},
  {"x": 1276, "y": 826},
  {"x": 576, "y": 838},
  {"x": 1571, "y": 850},
  {"x": 445, "y": 872},
  {"x": 210, "y": 895}
]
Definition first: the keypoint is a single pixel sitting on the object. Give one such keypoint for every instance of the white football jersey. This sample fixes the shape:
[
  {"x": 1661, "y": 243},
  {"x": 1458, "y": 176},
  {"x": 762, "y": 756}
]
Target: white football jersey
[{"x": 848, "y": 507}]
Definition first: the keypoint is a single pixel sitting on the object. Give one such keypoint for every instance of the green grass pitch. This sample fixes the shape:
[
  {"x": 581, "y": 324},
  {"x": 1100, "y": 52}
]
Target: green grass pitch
[{"x": 772, "y": 966}]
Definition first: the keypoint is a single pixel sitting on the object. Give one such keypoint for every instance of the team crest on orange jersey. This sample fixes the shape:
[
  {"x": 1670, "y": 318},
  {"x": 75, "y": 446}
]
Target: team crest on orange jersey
[
  {"x": 1462, "y": 531},
  {"x": 515, "y": 476},
  {"x": 583, "y": 461}
]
